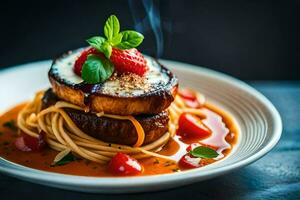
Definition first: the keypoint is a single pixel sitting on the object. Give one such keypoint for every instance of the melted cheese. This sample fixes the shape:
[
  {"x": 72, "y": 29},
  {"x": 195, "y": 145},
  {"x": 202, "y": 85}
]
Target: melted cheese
[{"x": 152, "y": 80}]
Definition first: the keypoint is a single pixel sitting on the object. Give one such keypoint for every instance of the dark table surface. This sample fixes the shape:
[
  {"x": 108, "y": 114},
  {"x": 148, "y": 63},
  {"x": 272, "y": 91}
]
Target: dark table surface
[{"x": 275, "y": 176}]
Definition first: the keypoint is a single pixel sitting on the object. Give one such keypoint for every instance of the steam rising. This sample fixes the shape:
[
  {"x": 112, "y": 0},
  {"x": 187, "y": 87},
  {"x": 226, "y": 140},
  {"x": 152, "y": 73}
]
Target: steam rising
[{"x": 147, "y": 16}]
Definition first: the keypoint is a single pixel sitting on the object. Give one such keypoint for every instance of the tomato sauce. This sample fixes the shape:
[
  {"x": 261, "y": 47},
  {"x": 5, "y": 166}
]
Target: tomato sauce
[{"x": 222, "y": 139}]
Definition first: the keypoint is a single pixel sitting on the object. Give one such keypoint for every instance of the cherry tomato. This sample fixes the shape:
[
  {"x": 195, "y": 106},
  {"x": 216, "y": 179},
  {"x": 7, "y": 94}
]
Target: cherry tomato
[
  {"x": 191, "y": 104},
  {"x": 190, "y": 126},
  {"x": 124, "y": 165},
  {"x": 28, "y": 143},
  {"x": 187, "y": 94},
  {"x": 36, "y": 144},
  {"x": 192, "y": 146},
  {"x": 20, "y": 144},
  {"x": 189, "y": 98},
  {"x": 189, "y": 162}
]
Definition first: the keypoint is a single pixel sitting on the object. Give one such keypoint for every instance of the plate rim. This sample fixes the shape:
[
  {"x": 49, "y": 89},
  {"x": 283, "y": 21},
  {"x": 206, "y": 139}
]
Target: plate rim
[{"x": 125, "y": 182}]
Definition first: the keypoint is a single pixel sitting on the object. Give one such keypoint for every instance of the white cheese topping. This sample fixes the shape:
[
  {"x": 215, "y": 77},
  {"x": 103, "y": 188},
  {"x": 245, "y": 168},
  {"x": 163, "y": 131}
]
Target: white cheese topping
[{"x": 118, "y": 85}]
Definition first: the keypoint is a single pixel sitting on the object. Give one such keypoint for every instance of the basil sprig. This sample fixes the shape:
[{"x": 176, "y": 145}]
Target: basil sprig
[
  {"x": 203, "y": 152},
  {"x": 97, "y": 69},
  {"x": 114, "y": 38},
  {"x": 65, "y": 160}
]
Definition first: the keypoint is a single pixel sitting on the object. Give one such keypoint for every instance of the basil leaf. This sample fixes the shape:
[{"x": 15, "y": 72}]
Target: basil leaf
[
  {"x": 116, "y": 40},
  {"x": 109, "y": 69},
  {"x": 96, "y": 42},
  {"x": 130, "y": 39},
  {"x": 203, "y": 152},
  {"x": 101, "y": 45},
  {"x": 111, "y": 27},
  {"x": 106, "y": 49},
  {"x": 91, "y": 69},
  {"x": 65, "y": 160},
  {"x": 96, "y": 70}
]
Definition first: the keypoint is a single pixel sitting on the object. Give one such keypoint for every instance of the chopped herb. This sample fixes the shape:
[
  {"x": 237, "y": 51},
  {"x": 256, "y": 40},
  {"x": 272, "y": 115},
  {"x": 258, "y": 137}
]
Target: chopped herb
[
  {"x": 168, "y": 163},
  {"x": 1, "y": 133},
  {"x": 65, "y": 160},
  {"x": 11, "y": 125},
  {"x": 156, "y": 161},
  {"x": 6, "y": 143},
  {"x": 175, "y": 170},
  {"x": 87, "y": 162},
  {"x": 204, "y": 152}
]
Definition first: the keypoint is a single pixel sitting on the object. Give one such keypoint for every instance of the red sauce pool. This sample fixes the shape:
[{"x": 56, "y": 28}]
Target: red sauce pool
[{"x": 223, "y": 138}]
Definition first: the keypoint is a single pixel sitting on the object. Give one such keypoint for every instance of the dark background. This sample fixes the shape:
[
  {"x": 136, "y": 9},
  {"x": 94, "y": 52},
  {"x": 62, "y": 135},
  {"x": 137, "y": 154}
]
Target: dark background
[
  {"x": 247, "y": 39},
  {"x": 253, "y": 39}
]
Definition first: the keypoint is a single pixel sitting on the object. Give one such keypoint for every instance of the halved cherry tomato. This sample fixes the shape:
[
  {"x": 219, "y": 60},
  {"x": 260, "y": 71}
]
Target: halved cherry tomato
[
  {"x": 189, "y": 162},
  {"x": 36, "y": 144},
  {"x": 187, "y": 94},
  {"x": 192, "y": 104},
  {"x": 20, "y": 144},
  {"x": 192, "y": 146},
  {"x": 28, "y": 143},
  {"x": 124, "y": 165},
  {"x": 190, "y": 126},
  {"x": 189, "y": 98}
]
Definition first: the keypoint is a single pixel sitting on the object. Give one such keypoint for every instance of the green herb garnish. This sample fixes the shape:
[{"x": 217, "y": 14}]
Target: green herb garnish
[
  {"x": 168, "y": 163},
  {"x": 130, "y": 39},
  {"x": 97, "y": 69},
  {"x": 5, "y": 143},
  {"x": 156, "y": 161},
  {"x": 176, "y": 170},
  {"x": 203, "y": 152},
  {"x": 65, "y": 160},
  {"x": 11, "y": 125},
  {"x": 114, "y": 38}
]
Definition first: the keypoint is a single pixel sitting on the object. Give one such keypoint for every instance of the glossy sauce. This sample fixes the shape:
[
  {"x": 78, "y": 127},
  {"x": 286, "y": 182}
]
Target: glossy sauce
[{"x": 223, "y": 138}]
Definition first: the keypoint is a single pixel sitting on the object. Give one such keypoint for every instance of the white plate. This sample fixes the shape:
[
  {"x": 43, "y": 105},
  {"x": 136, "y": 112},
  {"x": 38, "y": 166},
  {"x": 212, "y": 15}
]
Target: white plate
[{"x": 259, "y": 123}]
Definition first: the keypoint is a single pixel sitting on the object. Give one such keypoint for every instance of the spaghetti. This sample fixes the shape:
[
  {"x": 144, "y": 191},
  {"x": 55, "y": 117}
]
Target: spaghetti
[{"x": 63, "y": 135}]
